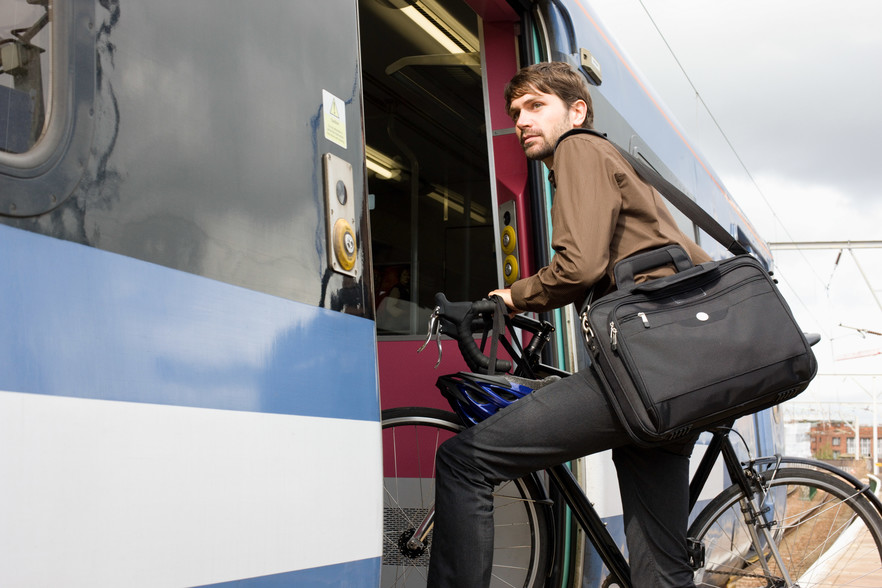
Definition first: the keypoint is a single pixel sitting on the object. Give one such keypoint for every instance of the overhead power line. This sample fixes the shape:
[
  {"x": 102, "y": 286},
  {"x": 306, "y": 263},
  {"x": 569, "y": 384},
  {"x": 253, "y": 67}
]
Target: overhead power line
[
  {"x": 737, "y": 157},
  {"x": 782, "y": 245},
  {"x": 713, "y": 118},
  {"x": 850, "y": 245}
]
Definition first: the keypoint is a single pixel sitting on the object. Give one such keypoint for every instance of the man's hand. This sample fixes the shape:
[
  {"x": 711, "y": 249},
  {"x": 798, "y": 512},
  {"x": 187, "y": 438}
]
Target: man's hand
[{"x": 505, "y": 294}]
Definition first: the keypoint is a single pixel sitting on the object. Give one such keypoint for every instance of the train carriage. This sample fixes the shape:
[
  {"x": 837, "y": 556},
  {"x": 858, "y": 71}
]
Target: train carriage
[{"x": 222, "y": 226}]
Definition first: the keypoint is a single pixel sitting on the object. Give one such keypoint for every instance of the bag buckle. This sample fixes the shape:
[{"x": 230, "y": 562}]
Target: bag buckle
[{"x": 587, "y": 333}]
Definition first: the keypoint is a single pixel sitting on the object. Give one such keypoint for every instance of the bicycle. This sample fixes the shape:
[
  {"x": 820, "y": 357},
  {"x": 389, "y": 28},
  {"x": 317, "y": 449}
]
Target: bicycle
[{"x": 783, "y": 521}]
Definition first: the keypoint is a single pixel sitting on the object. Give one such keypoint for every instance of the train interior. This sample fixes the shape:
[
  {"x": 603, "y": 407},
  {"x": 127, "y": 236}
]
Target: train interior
[{"x": 428, "y": 170}]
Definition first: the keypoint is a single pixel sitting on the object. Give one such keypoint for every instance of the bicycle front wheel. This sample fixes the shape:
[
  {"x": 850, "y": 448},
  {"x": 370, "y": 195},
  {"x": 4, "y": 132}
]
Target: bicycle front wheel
[
  {"x": 826, "y": 532},
  {"x": 411, "y": 437}
]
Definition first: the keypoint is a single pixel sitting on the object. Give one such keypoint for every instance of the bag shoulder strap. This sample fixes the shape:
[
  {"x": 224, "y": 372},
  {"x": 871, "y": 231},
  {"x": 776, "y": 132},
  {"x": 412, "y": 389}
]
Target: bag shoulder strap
[{"x": 674, "y": 195}]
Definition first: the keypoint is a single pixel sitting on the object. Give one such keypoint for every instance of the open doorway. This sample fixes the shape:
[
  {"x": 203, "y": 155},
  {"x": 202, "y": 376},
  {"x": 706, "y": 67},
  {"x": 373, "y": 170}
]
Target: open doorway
[{"x": 428, "y": 168}]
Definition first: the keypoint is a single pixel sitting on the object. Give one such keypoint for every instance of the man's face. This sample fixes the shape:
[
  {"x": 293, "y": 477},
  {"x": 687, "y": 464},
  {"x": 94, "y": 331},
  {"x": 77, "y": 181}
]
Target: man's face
[{"x": 540, "y": 120}]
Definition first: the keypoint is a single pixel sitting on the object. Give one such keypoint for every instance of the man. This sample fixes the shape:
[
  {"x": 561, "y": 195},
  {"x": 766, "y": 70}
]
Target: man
[{"x": 602, "y": 212}]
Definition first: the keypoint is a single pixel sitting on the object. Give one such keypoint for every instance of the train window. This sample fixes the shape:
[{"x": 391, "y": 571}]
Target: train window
[
  {"x": 47, "y": 88},
  {"x": 25, "y": 37},
  {"x": 428, "y": 169}
]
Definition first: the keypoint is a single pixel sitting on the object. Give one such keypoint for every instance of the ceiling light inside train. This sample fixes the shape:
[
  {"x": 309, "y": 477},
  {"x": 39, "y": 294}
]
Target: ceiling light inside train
[
  {"x": 441, "y": 26},
  {"x": 455, "y": 202},
  {"x": 381, "y": 164}
]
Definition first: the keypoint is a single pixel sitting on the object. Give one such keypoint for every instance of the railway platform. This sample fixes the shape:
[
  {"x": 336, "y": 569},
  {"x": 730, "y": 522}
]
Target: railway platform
[{"x": 853, "y": 561}]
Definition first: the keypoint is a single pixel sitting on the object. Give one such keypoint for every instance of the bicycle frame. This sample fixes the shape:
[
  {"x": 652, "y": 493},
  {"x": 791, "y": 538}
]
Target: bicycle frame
[
  {"x": 590, "y": 521},
  {"x": 747, "y": 476},
  {"x": 743, "y": 474}
]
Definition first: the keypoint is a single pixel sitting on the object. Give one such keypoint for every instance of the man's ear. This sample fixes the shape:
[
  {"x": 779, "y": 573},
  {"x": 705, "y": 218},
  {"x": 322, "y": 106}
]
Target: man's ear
[{"x": 578, "y": 112}]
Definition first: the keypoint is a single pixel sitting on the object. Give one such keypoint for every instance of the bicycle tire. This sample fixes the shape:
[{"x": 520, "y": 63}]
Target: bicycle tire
[
  {"x": 810, "y": 510},
  {"x": 522, "y": 546}
]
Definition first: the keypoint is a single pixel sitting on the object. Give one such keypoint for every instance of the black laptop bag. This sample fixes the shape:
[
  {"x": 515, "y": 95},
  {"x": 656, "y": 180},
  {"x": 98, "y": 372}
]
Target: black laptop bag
[{"x": 698, "y": 348}]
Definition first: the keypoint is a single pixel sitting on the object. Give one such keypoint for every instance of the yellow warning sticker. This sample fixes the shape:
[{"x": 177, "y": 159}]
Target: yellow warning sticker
[{"x": 334, "y": 118}]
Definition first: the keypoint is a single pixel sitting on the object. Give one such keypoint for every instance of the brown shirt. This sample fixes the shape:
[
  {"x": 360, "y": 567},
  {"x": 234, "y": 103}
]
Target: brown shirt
[{"x": 602, "y": 213}]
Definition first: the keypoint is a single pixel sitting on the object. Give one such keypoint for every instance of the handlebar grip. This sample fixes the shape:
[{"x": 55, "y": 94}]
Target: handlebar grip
[
  {"x": 462, "y": 315},
  {"x": 473, "y": 355},
  {"x": 485, "y": 305}
]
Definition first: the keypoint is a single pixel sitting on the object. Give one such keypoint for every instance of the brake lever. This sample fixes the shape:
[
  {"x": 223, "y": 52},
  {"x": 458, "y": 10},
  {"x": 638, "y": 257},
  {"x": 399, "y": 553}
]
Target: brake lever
[{"x": 434, "y": 331}]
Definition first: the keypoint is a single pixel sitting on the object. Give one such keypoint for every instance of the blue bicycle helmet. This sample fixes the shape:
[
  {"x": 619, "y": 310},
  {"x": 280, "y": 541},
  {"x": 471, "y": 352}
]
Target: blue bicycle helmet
[{"x": 474, "y": 397}]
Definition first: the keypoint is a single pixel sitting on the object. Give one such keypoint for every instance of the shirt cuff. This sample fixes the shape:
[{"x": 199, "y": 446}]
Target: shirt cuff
[{"x": 524, "y": 295}]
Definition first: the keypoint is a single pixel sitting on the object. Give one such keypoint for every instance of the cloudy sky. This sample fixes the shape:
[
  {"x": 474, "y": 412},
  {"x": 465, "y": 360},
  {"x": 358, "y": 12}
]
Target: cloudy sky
[{"x": 795, "y": 86}]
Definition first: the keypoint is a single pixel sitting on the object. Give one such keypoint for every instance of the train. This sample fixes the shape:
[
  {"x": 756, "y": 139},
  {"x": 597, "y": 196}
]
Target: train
[{"x": 222, "y": 228}]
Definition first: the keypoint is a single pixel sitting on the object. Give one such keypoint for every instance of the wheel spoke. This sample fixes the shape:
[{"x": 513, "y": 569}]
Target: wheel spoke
[
  {"x": 827, "y": 534},
  {"x": 411, "y": 438}
]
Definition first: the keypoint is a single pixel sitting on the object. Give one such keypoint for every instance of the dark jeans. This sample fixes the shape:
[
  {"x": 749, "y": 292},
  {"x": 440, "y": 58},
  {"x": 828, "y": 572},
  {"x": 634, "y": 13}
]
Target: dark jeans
[{"x": 558, "y": 423}]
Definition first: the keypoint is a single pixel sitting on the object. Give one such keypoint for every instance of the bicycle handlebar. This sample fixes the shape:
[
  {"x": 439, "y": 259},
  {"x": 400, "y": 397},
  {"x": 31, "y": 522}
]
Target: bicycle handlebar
[{"x": 462, "y": 320}]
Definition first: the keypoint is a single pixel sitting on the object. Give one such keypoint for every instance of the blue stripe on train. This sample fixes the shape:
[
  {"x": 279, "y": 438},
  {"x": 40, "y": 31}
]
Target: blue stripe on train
[
  {"x": 78, "y": 321},
  {"x": 354, "y": 574}
]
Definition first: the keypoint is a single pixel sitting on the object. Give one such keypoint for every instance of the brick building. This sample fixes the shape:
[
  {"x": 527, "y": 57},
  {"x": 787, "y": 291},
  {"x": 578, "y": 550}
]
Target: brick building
[{"x": 836, "y": 439}]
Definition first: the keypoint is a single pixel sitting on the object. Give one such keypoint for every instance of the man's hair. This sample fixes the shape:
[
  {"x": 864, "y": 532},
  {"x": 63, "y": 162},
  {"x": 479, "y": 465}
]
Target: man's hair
[{"x": 554, "y": 77}]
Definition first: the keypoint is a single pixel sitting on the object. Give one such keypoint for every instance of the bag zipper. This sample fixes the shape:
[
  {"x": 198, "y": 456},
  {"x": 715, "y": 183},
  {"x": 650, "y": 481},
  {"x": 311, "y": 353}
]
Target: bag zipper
[{"x": 645, "y": 318}]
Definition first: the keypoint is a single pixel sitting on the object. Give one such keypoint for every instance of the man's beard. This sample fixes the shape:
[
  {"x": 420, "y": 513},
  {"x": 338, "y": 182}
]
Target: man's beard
[
  {"x": 549, "y": 141},
  {"x": 546, "y": 150}
]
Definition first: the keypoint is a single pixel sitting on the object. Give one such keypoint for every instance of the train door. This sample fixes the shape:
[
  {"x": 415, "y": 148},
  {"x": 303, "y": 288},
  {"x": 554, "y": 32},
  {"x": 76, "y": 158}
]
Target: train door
[
  {"x": 434, "y": 73},
  {"x": 447, "y": 182}
]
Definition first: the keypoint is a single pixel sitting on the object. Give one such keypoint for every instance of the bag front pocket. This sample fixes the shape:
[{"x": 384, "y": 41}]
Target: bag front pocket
[{"x": 691, "y": 359}]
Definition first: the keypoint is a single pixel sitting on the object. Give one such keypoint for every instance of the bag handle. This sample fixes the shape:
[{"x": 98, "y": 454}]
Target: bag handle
[
  {"x": 668, "y": 281},
  {"x": 629, "y": 267},
  {"x": 675, "y": 196}
]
